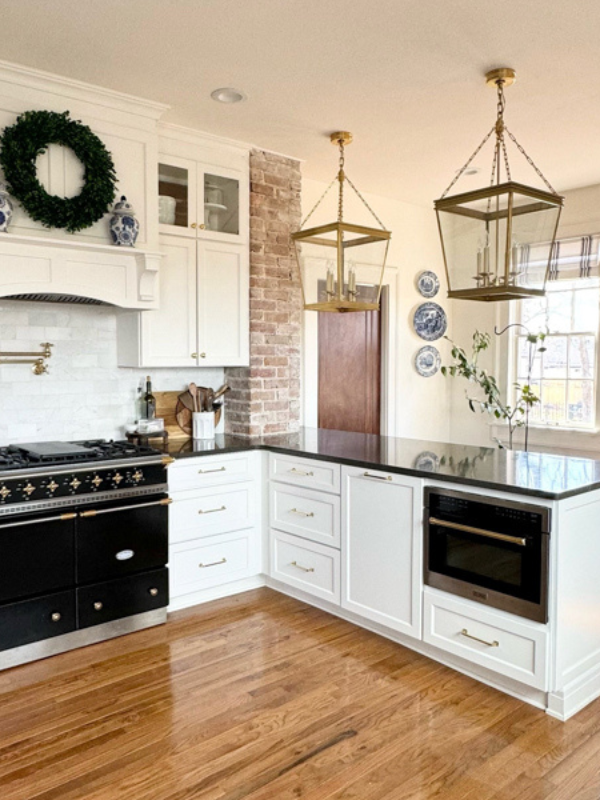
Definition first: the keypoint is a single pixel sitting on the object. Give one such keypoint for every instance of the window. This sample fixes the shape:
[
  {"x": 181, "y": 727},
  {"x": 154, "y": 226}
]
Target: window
[{"x": 564, "y": 376}]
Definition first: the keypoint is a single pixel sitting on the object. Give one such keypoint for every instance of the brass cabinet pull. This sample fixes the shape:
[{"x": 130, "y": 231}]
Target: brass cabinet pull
[
  {"x": 202, "y": 226},
  {"x": 301, "y": 513},
  {"x": 153, "y": 591},
  {"x": 193, "y": 225},
  {"x": 300, "y": 472},
  {"x": 212, "y": 564},
  {"x": 56, "y": 616},
  {"x": 466, "y": 633},
  {"x": 503, "y": 537},
  {"x": 194, "y": 355},
  {"x": 202, "y": 355},
  {"x": 299, "y": 566},
  {"x": 98, "y": 606},
  {"x": 377, "y": 477},
  {"x": 206, "y": 471},
  {"x": 212, "y": 510}
]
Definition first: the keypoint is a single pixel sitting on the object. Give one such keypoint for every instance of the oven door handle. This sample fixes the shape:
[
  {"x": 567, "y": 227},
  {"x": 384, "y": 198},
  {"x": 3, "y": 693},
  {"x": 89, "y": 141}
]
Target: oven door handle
[
  {"x": 503, "y": 537},
  {"x": 94, "y": 512},
  {"x": 39, "y": 520}
]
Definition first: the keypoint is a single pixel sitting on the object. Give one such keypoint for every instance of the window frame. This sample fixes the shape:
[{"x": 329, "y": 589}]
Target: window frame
[{"x": 515, "y": 317}]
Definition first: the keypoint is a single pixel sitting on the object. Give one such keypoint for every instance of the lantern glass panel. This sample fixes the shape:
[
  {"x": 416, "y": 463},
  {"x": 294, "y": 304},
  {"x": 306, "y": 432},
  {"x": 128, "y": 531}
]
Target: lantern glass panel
[{"x": 532, "y": 236}]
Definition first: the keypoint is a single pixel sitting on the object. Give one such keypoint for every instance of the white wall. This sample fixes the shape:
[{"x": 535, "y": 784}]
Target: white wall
[
  {"x": 85, "y": 394},
  {"x": 580, "y": 215},
  {"x": 421, "y": 404}
]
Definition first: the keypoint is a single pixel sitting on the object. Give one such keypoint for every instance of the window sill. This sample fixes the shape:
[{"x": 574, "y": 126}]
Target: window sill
[{"x": 575, "y": 441}]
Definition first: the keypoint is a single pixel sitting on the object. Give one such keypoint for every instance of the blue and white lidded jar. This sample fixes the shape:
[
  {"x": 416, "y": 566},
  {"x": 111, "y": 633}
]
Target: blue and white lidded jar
[
  {"x": 124, "y": 227},
  {"x": 6, "y": 209}
]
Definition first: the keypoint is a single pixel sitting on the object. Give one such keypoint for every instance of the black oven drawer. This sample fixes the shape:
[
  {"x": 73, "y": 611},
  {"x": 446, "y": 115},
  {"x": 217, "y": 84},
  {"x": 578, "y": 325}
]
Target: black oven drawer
[
  {"x": 121, "y": 538},
  {"x": 104, "y": 602},
  {"x": 36, "y": 555},
  {"x": 33, "y": 620}
]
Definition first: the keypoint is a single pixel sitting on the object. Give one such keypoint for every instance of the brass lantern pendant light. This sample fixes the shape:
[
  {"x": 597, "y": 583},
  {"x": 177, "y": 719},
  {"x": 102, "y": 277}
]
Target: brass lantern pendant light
[
  {"x": 498, "y": 241},
  {"x": 338, "y": 291}
]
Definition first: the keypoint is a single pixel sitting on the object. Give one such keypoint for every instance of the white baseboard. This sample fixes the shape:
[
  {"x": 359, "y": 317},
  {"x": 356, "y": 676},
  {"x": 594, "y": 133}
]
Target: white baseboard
[{"x": 576, "y": 695}]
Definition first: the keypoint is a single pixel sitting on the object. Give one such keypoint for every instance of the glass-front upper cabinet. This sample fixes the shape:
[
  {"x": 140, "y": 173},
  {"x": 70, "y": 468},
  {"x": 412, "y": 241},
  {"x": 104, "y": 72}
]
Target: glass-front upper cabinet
[{"x": 194, "y": 200}]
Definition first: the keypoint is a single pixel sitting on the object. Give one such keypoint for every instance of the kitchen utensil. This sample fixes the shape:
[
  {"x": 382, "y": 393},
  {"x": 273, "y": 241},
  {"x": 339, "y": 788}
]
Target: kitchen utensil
[
  {"x": 209, "y": 399},
  {"x": 193, "y": 390},
  {"x": 221, "y": 391},
  {"x": 186, "y": 400}
]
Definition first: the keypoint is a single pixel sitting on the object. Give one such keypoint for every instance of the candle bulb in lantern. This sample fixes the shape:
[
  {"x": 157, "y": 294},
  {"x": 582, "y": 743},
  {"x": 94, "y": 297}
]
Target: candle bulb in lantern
[
  {"x": 351, "y": 281},
  {"x": 329, "y": 278}
]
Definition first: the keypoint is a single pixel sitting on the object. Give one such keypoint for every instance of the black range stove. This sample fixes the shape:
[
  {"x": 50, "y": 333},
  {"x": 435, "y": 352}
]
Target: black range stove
[{"x": 44, "y": 475}]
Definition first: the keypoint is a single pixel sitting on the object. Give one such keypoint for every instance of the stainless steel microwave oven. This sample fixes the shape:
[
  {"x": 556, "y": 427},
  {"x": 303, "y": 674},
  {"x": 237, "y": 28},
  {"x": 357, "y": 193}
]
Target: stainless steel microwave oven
[{"x": 492, "y": 551}]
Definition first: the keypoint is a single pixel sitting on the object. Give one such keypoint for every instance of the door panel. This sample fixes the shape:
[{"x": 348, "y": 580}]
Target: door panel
[
  {"x": 223, "y": 304},
  {"x": 169, "y": 332},
  {"x": 350, "y": 371}
]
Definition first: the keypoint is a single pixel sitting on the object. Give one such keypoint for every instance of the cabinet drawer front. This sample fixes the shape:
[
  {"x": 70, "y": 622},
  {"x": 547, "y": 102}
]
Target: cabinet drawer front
[
  {"x": 33, "y": 620},
  {"x": 200, "y": 565},
  {"x": 321, "y": 475},
  {"x": 303, "y": 512},
  {"x": 211, "y": 512},
  {"x": 513, "y": 648},
  {"x": 308, "y": 566},
  {"x": 195, "y": 473},
  {"x": 104, "y": 602}
]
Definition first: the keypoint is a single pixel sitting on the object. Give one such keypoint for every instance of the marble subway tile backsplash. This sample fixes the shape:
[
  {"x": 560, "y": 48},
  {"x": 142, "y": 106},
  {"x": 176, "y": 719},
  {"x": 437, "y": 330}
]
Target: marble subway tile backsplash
[{"x": 85, "y": 394}]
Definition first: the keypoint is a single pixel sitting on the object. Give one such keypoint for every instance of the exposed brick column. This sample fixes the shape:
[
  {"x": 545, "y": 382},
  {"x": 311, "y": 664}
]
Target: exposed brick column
[{"x": 265, "y": 398}]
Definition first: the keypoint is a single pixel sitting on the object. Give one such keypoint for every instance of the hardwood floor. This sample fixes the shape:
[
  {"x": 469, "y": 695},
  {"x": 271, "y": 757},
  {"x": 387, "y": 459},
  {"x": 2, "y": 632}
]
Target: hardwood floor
[{"x": 262, "y": 697}]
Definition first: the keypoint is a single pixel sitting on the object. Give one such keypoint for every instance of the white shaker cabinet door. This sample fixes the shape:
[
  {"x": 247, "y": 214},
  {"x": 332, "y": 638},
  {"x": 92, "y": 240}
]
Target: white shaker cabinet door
[
  {"x": 381, "y": 520},
  {"x": 223, "y": 304},
  {"x": 168, "y": 334}
]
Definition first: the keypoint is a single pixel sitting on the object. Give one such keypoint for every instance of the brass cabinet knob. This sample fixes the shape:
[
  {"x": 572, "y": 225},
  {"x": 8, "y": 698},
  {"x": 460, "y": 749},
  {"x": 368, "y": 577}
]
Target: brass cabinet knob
[
  {"x": 202, "y": 226},
  {"x": 194, "y": 355},
  {"x": 202, "y": 355},
  {"x": 56, "y": 617},
  {"x": 193, "y": 225},
  {"x": 98, "y": 606},
  {"x": 153, "y": 591}
]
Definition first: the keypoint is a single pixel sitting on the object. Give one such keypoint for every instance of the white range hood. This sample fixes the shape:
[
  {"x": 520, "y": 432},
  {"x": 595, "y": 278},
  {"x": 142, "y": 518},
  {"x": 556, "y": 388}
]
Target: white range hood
[{"x": 63, "y": 269}]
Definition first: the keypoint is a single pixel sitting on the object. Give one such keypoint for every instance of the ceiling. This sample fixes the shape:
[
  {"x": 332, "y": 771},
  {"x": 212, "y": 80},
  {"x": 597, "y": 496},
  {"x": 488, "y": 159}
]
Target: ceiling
[{"x": 405, "y": 76}]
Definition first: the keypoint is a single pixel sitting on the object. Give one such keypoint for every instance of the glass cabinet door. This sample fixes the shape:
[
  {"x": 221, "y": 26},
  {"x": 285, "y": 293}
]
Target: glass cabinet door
[
  {"x": 177, "y": 197},
  {"x": 221, "y": 202}
]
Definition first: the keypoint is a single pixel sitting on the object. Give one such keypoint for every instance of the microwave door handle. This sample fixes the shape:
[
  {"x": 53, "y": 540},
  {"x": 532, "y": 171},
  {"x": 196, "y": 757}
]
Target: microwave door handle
[
  {"x": 503, "y": 537},
  {"x": 94, "y": 512}
]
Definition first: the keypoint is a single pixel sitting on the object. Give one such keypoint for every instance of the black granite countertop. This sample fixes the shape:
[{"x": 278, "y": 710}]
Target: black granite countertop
[{"x": 535, "y": 474}]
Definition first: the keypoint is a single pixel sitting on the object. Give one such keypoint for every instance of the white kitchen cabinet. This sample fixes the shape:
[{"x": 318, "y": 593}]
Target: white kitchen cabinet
[
  {"x": 203, "y": 189},
  {"x": 381, "y": 547},
  {"x": 203, "y": 314}
]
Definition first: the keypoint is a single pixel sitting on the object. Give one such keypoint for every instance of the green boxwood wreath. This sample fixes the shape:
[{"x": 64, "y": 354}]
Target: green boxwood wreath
[{"x": 29, "y": 137}]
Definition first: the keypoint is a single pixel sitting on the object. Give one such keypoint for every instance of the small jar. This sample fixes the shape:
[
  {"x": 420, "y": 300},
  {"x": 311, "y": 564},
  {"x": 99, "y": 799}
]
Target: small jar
[{"x": 124, "y": 227}]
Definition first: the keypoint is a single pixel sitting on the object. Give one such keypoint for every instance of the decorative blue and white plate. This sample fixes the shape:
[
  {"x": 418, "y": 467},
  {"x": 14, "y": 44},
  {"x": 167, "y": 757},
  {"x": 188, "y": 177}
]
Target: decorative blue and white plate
[
  {"x": 428, "y": 361},
  {"x": 427, "y": 462},
  {"x": 428, "y": 284},
  {"x": 430, "y": 321}
]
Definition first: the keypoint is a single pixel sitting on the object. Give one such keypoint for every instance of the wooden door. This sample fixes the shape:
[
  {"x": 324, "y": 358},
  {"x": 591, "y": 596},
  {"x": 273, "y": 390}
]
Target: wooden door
[{"x": 350, "y": 371}]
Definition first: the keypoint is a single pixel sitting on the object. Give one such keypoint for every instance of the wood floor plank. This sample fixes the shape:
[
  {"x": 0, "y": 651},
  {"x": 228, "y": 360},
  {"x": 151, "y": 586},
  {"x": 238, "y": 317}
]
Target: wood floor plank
[{"x": 260, "y": 697}]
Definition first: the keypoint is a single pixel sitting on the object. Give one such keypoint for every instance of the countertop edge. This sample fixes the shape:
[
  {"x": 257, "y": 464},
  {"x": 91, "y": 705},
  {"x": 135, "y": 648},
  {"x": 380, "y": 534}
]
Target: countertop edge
[{"x": 433, "y": 476}]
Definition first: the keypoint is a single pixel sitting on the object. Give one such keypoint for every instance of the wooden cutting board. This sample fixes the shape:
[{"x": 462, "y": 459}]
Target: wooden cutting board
[{"x": 166, "y": 403}]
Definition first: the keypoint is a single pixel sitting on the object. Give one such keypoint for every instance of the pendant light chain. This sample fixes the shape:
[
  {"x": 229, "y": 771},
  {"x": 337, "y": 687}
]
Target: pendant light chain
[
  {"x": 317, "y": 204},
  {"x": 359, "y": 195},
  {"x": 471, "y": 157},
  {"x": 531, "y": 162},
  {"x": 341, "y": 177}
]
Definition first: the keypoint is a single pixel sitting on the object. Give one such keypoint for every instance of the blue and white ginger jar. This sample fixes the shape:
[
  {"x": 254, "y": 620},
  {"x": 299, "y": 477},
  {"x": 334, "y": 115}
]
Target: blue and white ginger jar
[
  {"x": 124, "y": 227},
  {"x": 6, "y": 209}
]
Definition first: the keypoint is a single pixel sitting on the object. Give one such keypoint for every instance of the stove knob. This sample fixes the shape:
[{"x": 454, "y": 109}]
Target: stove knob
[
  {"x": 117, "y": 478},
  {"x": 4, "y": 492},
  {"x": 75, "y": 484},
  {"x": 137, "y": 475},
  {"x": 52, "y": 486},
  {"x": 96, "y": 481},
  {"x": 29, "y": 489}
]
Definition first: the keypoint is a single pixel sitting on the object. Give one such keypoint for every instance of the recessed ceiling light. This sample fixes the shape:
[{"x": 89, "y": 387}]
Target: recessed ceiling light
[
  {"x": 472, "y": 171},
  {"x": 228, "y": 95}
]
